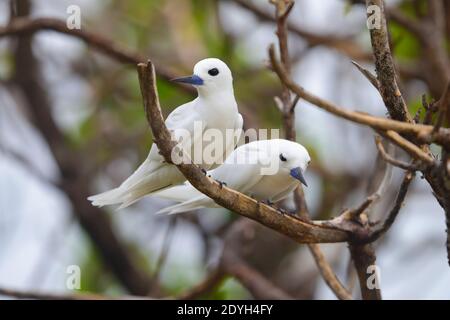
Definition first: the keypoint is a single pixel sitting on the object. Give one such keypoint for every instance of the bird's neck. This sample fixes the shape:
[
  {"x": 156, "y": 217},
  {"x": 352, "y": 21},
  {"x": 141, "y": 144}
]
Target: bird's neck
[{"x": 220, "y": 99}]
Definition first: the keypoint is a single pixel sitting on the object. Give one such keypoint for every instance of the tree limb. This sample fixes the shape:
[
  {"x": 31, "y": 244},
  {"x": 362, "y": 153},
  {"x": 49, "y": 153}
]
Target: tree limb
[
  {"x": 384, "y": 64},
  {"x": 419, "y": 131},
  {"x": 287, "y": 107}
]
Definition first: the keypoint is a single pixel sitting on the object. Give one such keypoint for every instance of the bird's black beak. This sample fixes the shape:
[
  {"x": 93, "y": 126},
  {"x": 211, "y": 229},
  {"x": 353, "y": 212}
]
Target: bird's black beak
[
  {"x": 297, "y": 173},
  {"x": 194, "y": 80}
]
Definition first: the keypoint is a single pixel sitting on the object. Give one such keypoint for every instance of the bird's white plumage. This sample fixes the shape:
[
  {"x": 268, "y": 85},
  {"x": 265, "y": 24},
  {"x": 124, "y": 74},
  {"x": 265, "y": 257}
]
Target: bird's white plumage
[
  {"x": 243, "y": 171},
  {"x": 214, "y": 108}
]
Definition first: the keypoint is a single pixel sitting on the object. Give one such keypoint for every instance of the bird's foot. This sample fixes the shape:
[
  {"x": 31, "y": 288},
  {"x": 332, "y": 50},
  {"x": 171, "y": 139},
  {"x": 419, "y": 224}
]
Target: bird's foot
[
  {"x": 268, "y": 202},
  {"x": 221, "y": 183},
  {"x": 284, "y": 211},
  {"x": 278, "y": 209}
]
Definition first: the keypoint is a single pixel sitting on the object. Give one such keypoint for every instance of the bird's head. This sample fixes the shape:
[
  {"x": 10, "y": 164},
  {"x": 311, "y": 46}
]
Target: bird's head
[
  {"x": 293, "y": 159},
  {"x": 210, "y": 75}
]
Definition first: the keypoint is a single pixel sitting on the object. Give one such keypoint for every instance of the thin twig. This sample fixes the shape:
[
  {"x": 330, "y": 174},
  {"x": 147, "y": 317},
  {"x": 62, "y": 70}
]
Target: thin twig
[
  {"x": 419, "y": 131},
  {"x": 164, "y": 252},
  {"x": 413, "y": 150},
  {"x": 364, "y": 257},
  {"x": 345, "y": 45},
  {"x": 369, "y": 76},
  {"x": 443, "y": 108},
  {"x": 328, "y": 274},
  {"x": 22, "y": 26},
  {"x": 384, "y": 64},
  {"x": 377, "y": 233},
  {"x": 395, "y": 162}
]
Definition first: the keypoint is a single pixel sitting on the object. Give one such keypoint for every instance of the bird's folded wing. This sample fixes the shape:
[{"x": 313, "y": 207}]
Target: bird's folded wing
[
  {"x": 240, "y": 172},
  {"x": 182, "y": 123}
]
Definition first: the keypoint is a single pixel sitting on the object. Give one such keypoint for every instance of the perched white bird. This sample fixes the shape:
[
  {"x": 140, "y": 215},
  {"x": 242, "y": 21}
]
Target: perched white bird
[
  {"x": 214, "y": 109},
  {"x": 265, "y": 170}
]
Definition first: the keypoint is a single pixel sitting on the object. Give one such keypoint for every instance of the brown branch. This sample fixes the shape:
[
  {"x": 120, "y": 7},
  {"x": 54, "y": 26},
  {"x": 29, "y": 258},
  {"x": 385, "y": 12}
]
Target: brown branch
[
  {"x": 404, "y": 187},
  {"x": 328, "y": 274},
  {"x": 287, "y": 107},
  {"x": 282, "y": 13},
  {"x": 25, "y": 26},
  {"x": 167, "y": 241},
  {"x": 413, "y": 150},
  {"x": 443, "y": 109},
  {"x": 363, "y": 257},
  {"x": 395, "y": 162},
  {"x": 388, "y": 87},
  {"x": 344, "y": 45},
  {"x": 421, "y": 132},
  {"x": 431, "y": 35},
  {"x": 369, "y": 76}
]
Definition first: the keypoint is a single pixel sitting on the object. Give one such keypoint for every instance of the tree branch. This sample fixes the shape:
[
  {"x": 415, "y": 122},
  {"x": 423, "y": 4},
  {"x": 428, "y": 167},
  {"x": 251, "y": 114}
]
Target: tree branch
[
  {"x": 287, "y": 107},
  {"x": 363, "y": 257},
  {"x": 25, "y": 26},
  {"x": 384, "y": 64},
  {"x": 72, "y": 181},
  {"x": 395, "y": 162},
  {"x": 404, "y": 187},
  {"x": 421, "y": 132},
  {"x": 344, "y": 45}
]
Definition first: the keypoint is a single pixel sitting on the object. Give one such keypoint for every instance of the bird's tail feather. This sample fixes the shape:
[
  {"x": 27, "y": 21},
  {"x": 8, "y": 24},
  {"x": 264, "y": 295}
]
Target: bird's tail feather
[
  {"x": 107, "y": 198},
  {"x": 126, "y": 195},
  {"x": 186, "y": 206},
  {"x": 137, "y": 194}
]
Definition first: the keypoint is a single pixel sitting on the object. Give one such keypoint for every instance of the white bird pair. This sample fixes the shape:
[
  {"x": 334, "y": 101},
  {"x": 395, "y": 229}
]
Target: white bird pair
[{"x": 266, "y": 169}]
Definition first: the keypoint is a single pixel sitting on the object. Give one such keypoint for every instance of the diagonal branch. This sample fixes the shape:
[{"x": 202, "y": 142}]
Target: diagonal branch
[
  {"x": 25, "y": 26},
  {"x": 363, "y": 256},
  {"x": 287, "y": 107},
  {"x": 395, "y": 162},
  {"x": 404, "y": 187},
  {"x": 422, "y": 133},
  {"x": 413, "y": 150}
]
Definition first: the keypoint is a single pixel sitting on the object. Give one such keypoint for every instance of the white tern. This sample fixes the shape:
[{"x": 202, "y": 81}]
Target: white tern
[
  {"x": 265, "y": 170},
  {"x": 215, "y": 108}
]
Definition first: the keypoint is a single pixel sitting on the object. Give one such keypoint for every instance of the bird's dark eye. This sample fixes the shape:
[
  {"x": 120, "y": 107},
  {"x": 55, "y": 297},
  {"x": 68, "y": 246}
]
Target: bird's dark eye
[
  {"x": 213, "y": 72},
  {"x": 282, "y": 158}
]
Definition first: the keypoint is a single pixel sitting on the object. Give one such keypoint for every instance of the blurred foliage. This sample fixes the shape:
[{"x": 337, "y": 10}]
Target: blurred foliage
[{"x": 94, "y": 278}]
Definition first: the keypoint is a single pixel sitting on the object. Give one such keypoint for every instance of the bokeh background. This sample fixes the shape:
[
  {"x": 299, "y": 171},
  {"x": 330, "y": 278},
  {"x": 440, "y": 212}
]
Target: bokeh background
[{"x": 81, "y": 129}]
